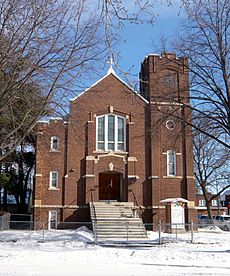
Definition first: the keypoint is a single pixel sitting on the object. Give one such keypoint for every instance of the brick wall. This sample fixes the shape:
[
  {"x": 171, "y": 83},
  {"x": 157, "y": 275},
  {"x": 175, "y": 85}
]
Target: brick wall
[{"x": 143, "y": 166}]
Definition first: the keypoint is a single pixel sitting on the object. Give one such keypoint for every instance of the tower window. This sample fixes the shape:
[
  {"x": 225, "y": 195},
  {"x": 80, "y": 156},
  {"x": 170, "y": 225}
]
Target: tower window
[
  {"x": 54, "y": 143},
  {"x": 169, "y": 83},
  {"x": 110, "y": 133},
  {"x": 171, "y": 163}
]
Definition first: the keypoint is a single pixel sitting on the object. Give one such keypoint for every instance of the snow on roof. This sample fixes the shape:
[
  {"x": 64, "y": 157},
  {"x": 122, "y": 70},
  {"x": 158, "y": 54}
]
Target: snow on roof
[
  {"x": 171, "y": 200},
  {"x": 47, "y": 121},
  {"x": 112, "y": 72}
]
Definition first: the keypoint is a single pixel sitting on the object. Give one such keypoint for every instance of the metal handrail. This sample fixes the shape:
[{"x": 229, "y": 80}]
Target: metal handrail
[
  {"x": 135, "y": 201},
  {"x": 92, "y": 203}
]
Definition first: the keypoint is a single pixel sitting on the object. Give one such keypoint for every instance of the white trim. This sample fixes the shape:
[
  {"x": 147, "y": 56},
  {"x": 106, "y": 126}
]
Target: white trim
[
  {"x": 111, "y": 153},
  {"x": 52, "y": 143},
  {"x": 167, "y": 103},
  {"x": 172, "y": 177},
  {"x": 167, "y": 124},
  {"x": 101, "y": 79},
  {"x": 56, "y": 118},
  {"x": 154, "y": 55},
  {"x": 88, "y": 175},
  {"x": 106, "y": 142},
  {"x": 132, "y": 159},
  {"x": 51, "y": 187},
  {"x": 153, "y": 177},
  {"x": 52, "y": 119},
  {"x": 115, "y": 75},
  {"x": 90, "y": 157},
  {"x": 177, "y": 153},
  {"x": 172, "y": 200},
  {"x": 111, "y": 71},
  {"x": 114, "y": 153},
  {"x": 38, "y": 175},
  {"x": 133, "y": 176},
  {"x": 174, "y": 163},
  {"x": 56, "y": 206},
  {"x": 43, "y": 121}
]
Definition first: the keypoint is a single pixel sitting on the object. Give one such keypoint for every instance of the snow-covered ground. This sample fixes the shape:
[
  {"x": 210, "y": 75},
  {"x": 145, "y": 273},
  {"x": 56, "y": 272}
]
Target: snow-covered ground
[{"x": 73, "y": 253}]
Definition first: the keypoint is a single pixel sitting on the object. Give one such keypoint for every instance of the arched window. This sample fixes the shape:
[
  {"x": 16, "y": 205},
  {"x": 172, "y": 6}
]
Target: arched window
[
  {"x": 170, "y": 84},
  {"x": 171, "y": 163},
  {"x": 110, "y": 133},
  {"x": 54, "y": 146}
]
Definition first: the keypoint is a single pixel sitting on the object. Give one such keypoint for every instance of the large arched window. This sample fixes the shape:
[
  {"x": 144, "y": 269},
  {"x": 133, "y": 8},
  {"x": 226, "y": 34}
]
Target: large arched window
[{"x": 110, "y": 133}]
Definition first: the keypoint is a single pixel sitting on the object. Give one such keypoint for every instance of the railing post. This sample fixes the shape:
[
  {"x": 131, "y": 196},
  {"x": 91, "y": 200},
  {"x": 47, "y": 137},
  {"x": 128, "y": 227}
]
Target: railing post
[
  {"x": 159, "y": 232},
  {"x": 43, "y": 231},
  {"x": 191, "y": 232},
  {"x": 95, "y": 232},
  {"x": 176, "y": 231},
  {"x": 127, "y": 231}
]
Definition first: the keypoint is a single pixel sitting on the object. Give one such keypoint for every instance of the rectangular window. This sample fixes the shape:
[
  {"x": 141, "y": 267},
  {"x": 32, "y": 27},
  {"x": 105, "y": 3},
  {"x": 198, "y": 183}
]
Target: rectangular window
[
  {"x": 54, "y": 143},
  {"x": 52, "y": 220},
  {"x": 202, "y": 202},
  {"x": 101, "y": 133},
  {"x": 111, "y": 134},
  {"x": 121, "y": 134},
  {"x": 215, "y": 202},
  {"x": 171, "y": 163},
  {"x": 54, "y": 180}
]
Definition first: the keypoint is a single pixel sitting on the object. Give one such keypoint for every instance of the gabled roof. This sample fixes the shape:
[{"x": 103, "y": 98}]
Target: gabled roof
[{"x": 111, "y": 72}]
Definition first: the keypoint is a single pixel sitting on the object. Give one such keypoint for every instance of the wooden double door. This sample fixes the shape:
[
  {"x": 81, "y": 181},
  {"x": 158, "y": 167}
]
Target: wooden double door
[{"x": 110, "y": 186}]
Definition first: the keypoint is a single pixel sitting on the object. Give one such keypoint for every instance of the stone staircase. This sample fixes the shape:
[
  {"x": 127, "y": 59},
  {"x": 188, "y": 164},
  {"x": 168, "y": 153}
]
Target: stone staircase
[{"x": 116, "y": 221}]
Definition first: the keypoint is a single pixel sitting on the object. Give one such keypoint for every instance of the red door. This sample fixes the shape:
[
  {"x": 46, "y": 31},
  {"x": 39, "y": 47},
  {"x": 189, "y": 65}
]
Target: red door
[{"x": 109, "y": 186}]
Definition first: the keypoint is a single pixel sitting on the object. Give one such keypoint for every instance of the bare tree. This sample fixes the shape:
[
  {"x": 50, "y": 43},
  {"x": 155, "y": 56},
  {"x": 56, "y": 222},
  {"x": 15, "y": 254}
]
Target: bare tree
[
  {"x": 46, "y": 44},
  {"x": 211, "y": 160},
  {"x": 50, "y": 44},
  {"x": 205, "y": 42}
]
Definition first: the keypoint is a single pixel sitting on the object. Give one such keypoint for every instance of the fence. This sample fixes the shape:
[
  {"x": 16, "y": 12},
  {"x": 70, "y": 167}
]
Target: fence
[{"x": 82, "y": 231}]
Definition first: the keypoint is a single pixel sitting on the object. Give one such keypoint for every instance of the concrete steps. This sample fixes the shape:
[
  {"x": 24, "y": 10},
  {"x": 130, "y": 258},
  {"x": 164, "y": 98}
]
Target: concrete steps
[{"x": 116, "y": 221}]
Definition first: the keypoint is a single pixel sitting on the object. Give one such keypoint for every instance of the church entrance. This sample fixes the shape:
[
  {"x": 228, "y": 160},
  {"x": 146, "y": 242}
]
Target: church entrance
[{"x": 110, "y": 186}]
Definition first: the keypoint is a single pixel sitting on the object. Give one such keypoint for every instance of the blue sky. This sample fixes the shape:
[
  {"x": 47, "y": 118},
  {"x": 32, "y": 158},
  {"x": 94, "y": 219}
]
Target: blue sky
[{"x": 143, "y": 39}]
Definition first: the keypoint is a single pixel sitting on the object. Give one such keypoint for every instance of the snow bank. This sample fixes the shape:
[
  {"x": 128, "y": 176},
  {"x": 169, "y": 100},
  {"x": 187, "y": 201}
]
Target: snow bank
[{"x": 71, "y": 252}]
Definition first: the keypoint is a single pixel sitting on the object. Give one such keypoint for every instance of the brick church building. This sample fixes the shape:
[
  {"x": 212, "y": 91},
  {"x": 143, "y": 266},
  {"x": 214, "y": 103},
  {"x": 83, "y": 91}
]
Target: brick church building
[{"x": 119, "y": 145}]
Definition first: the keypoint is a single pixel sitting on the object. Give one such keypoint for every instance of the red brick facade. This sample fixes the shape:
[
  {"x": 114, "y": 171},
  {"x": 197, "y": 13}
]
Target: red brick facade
[{"x": 154, "y": 126}]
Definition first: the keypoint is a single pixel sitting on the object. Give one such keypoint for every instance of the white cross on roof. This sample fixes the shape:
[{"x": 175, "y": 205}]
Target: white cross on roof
[{"x": 111, "y": 70}]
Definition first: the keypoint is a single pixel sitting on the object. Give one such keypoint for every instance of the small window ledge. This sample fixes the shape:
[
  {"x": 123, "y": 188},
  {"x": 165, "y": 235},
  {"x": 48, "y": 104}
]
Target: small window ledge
[
  {"x": 172, "y": 176},
  {"x": 53, "y": 189},
  {"x": 110, "y": 152}
]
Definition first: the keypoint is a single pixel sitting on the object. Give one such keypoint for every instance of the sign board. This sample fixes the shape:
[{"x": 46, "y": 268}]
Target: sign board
[{"x": 177, "y": 215}]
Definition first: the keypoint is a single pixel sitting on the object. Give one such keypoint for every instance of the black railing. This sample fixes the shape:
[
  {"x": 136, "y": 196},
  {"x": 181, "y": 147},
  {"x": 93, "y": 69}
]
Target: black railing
[{"x": 136, "y": 205}]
